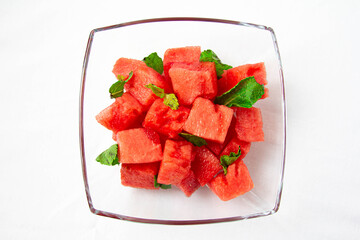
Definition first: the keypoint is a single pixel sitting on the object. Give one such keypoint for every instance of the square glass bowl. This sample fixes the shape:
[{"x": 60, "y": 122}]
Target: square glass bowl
[{"x": 235, "y": 43}]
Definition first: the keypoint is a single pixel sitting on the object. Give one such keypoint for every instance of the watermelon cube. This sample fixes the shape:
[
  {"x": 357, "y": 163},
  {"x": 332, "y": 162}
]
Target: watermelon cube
[
  {"x": 249, "y": 124},
  {"x": 142, "y": 75},
  {"x": 216, "y": 147},
  {"x": 180, "y": 55},
  {"x": 139, "y": 145},
  {"x": 234, "y": 75},
  {"x": 236, "y": 182},
  {"x": 189, "y": 54},
  {"x": 139, "y": 175},
  {"x": 124, "y": 66},
  {"x": 176, "y": 162},
  {"x": 122, "y": 114},
  {"x": 189, "y": 184},
  {"x": 209, "y": 120},
  {"x": 233, "y": 146},
  {"x": 190, "y": 81},
  {"x": 164, "y": 120},
  {"x": 205, "y": 166}
]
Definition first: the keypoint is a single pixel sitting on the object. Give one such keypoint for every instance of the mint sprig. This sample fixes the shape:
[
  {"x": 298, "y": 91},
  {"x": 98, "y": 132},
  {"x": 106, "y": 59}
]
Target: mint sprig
[
  {"x": 159, "y": 185},
  {"x": 156, "y": 90},
  {"x": 210, "y": 56},
  {"x": 155, "y": 62},
  {"x": 117, "y": 89},
  {"x": 244, "y": 94},
  {"x": 109, "y": 156},
  {"x": 195, "y": 140},
  {"x": 170, "y": 99},
  {"x": 227, "y": 160}
]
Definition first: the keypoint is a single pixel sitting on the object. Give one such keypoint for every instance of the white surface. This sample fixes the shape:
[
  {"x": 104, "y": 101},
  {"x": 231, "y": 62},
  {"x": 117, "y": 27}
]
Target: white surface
[{"x": 42, "y": 44}]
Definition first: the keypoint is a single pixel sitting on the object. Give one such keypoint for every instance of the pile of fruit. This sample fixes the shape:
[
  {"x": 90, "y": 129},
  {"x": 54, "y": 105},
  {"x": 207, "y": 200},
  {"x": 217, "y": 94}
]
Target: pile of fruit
[{"x": 186, "y": 120}]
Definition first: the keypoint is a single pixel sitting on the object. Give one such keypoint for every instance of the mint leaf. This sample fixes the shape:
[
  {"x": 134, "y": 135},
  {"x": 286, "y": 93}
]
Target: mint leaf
[
  {"x": 117, "y": 89},
  {"x": 210, "y": 56},
  {"x": 155, "y": 62},
  {"x": 170, "y": 99},
  {"x": 195, "y": 140},
  {"x": 156, "y": 90},
  {"x": 159, "y": 185},
  {"x": 227, "y": 160},
  {"x": 109, "y": 156},
  {"x": 156, "y": 184},
  {"x": 244, "y": 94},
  {"x": 164, "y": 186}
]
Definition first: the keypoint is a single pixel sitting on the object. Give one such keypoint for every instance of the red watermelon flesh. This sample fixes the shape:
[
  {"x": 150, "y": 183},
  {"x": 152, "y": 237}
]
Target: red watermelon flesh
[
  {"x": 176, "y": 162},
  {"x": 183, "y": 54},
  {"x": 233, "y": 146},
  {"x": 136, "y": 124},
  {"x": 249, "y": 124},
  {"x": 216, "y": 147},
  {"x": 210, "y": 84},
  {"x": 234, "y": 75},
  {"x": 164, "y": 120},
  {"x": 114, "y": 136},
  {"x": 142, "y": 75},
  {"x": 139, "y": 175},
  {"x": 139, "y": 145},
  {"x": 122, "y": 114},
  {"x": 205, "y": 166},
  {"x": 190, "y": 81},
  {"x": 209, "y": 120},
  {"x": 236, "y": 182},
  {"x": 189, "y": 54},
  {"x": 189, "y": 184},
  {"x": 124, "y": 66}
]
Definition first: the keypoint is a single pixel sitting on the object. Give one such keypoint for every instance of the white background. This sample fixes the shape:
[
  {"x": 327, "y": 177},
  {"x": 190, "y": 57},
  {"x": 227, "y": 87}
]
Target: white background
[{"x": 42, "y": 44}]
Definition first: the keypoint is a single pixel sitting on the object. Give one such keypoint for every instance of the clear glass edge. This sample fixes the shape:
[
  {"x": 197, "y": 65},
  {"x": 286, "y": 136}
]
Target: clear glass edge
[{"x": 81, "y": 129}]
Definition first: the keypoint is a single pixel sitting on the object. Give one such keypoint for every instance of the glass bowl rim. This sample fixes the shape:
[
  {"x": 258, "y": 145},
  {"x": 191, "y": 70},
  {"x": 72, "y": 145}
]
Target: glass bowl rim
[{"x": 81, "y": 126}]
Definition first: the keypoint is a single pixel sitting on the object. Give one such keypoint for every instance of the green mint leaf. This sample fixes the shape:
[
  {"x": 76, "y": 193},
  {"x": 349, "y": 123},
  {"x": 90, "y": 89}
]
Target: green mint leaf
[
  {"x": 117, "y": 89},
  {"x": 170, "y": 99},
  {"x": 220, "y": 67},
  {"x": 244, "y": 94},
  {"x": 164, "y": 186},
  {"x": 195, "y": 140},
  {"x": 159, "y": 185},
  {"x": 155, "y": 62},
  {"x": 109, "y": 156},
  {"x": 156, "y": 184},
  {"x": 210, "y": 56},
  {"x": 227, "y": 160},
  {"x": 156, "y": 90}
]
